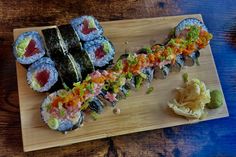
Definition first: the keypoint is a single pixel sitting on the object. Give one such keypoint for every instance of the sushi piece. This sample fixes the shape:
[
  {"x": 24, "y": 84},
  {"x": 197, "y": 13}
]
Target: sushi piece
[
  {"x": 162, "y": 72},
  {"x": 107, "y": 98},
  {"x": 82, "y": 58},
  {"x": 87, "y": 28},
  {"x": 96, "y": 105},
  {"x": 54, "y": 44},
  {"x": 179, "y": 63},
  {"x": 183, "y": 27},
  {"x": 190, "y": 60},
  {"x": 75, "y": 49},
  {"x": 59, "y": 116},
  {"x": 149, "y": 72},
  {"x": 69, "y": 70},
  {"x": 42, "y": 75},
  {"x": 71, "y": 39},
  {"x": 28, "y": 47},
  {"x": 101, "y": 52}
]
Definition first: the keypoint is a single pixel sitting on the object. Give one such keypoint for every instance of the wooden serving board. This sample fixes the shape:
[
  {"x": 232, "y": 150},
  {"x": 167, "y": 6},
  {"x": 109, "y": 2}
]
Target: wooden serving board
[{"x": 139, "y": 112}]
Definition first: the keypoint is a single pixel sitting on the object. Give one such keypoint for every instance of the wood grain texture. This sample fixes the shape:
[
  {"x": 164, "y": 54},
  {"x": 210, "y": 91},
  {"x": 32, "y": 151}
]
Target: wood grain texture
[
  {"x": 140, "y": 112},
  {"x": 212, "y": 138}
]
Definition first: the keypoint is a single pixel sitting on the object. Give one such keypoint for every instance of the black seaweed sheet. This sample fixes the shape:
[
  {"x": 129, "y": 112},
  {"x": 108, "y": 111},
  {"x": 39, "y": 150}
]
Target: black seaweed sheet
[
  {"x": 74, "y": 48},
  {"x": 68, "y": 70}
]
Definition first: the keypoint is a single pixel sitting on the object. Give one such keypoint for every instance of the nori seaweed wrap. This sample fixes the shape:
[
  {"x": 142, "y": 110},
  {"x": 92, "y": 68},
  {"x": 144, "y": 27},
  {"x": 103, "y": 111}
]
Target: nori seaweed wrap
[
  {"x": 60, "y": 117},
  {"x": 28, "y": 47},
  {"x": 87, "y": 28},
  {"x": 67, "y": 67},
  {"x": 75, "y": 49},
  {"x": 42, "y": 75},
  {"x": 101, "y": 52}
]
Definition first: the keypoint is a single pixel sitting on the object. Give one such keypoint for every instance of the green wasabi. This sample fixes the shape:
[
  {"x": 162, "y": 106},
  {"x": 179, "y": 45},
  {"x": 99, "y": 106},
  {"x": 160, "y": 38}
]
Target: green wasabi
[{"x": 216, "y": 99}]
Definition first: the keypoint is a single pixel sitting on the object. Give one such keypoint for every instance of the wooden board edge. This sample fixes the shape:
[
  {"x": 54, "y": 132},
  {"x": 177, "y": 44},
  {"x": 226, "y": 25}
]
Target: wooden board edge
[{"x": 121, "y": 133}]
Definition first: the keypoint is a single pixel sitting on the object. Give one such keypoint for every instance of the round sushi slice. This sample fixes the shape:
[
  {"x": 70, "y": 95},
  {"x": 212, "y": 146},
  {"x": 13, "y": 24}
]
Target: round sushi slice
[
  {"x": 28, "y": 47},
  {"x": 87, "y": 28},
  {"x": 41, "y": 76},
  {"x": 101, "y": 52},
  {"x": 183, "y": 27},
  {"x": 59, "y": 116}
]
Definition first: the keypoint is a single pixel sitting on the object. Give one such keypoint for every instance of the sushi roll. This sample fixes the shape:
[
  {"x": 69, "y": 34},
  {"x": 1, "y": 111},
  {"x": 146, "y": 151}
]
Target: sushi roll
[
  {"x": 42, "y": 75},
  {"x": 75, "y": 49},
  {"x": 183, "y": 27},
  {"x": 59, "y": 116},
  {"x": 87, "y": 28},
  {"x": 179, "y": 63},
  {"x": 190, "y": 60},
  {"x": 162, "y": 72},
  {"x": 71, "y": 39},
  {"x": 149, "y": 72},
  {"x": 107, "y": 98},
  {"x": 96, "y": 105},
  {"x": 28, "y": 47},
  {"x": 69, "y": 71},
  {"x": 101, "y": 52}
]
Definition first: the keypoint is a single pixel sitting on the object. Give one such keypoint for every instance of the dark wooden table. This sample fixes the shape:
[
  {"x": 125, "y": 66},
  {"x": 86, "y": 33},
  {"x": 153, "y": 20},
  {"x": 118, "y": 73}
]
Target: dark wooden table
[{"x": 211, "y": 138}]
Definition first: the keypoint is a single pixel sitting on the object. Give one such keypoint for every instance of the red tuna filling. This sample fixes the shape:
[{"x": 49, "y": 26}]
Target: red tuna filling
[
  {"x": 86, "y": 30},
  {"x": 42, "y": 77},
  {"x": 99, "y": 53},
  {"x": 31, "y": 49}
]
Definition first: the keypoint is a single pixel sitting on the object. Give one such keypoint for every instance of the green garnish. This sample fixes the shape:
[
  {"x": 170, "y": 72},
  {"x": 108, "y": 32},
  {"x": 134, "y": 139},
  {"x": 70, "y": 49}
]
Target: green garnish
[
  {"x": 162, "y": 58},
  {"x": 193, "y": 33},
  {"x": 62, "y": 93},
  {"x": 169, "y": 50},
  {"x": 106, "y": 87},
  {"x": 147, "y": 49},
  {"x": 48, "y": 107},
  {"x": 171, "y": 42},
  {"x": 144, "y": 76},
  {"x": 62, "y": 113},
  {"x": 88, "y": 77},
  {"x": 185, "y": 77},
  {"x": 65, "y": 86},
  {"x": 129, "y": 75},
  {"x": 118, "y": 65},
  {"x": 53, "y": 123},
  {"x": 94, "y": 115},
  {"x": 216, "y": 99},
  {"x": 84, "y": 106},
  {"x": 132, "y": 59},
  {"x": 197, "y": 62},
  {"x": 150, "y": 89},
  {"x": 127, "y": 94},
  {"x": 138, "y": 81},
  {"x": 90, "y": 87}
]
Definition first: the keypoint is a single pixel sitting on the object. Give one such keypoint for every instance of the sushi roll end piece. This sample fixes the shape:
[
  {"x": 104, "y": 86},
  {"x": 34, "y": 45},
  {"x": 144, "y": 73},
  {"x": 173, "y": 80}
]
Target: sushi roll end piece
[
  {"x": 185, "y": 24},
  {"x": 96, "y": 105},
  {"x": 179, "y": 63},
  {"x": 190, "y": 60},
  {"x": 42, "y": 75},
  {"x": 59, "y": 117},
  {"x": 28, "y": 47},
  {"x": 101, "y": 52},
  {"x": 87, "y": 27},
  {"x": 162, "y": 72}
]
